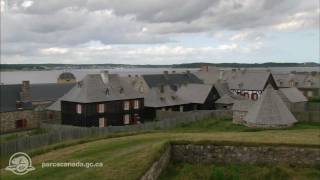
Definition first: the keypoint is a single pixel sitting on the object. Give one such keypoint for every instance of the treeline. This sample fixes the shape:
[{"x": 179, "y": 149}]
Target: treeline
[{"x": 9, "y": 67}]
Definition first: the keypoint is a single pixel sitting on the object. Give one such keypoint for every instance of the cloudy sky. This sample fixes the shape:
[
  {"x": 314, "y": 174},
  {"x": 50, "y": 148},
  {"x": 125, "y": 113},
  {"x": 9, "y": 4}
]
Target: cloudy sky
[{"x": 159, "y": 31}]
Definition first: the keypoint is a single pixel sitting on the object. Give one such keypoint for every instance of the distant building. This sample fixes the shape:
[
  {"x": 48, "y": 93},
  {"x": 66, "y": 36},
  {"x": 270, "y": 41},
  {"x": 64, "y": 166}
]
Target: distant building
[
  {"x": 173, "y": 92},
  {"x": 270, "y": 111},
  {"x": 23, "y": 105},
  {"x": 66, "y": 77},
  {"x": 307, "y": 82},
  {"x": 102, "y": 100},
  {"x": 244, "y": 82}
]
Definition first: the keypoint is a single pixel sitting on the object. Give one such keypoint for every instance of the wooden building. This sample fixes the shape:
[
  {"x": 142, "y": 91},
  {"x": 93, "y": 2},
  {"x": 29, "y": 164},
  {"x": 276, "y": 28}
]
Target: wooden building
[{"x": 102, "y": 100}]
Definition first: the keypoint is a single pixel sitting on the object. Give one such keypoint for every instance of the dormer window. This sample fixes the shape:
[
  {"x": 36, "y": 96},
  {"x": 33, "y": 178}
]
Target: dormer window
[
  {"x": 173, "y": 97},
  {"x": 107, "y": 92},
  {"x": 141, "y": 89},
  {"x": 121, "y": 90}
]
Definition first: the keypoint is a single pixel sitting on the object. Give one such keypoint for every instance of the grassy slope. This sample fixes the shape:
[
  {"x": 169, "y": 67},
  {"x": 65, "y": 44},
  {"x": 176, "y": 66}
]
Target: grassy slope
[{"x": 129, "y": 157}]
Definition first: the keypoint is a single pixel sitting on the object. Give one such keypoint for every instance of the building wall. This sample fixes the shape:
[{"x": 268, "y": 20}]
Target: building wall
[
  {"x": 114, "y": 113},
  {"x": 238, "y": 117},
  {"x": 8, "y": 120}
]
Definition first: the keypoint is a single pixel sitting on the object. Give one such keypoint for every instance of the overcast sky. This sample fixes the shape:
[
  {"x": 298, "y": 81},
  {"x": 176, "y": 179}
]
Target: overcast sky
[{"x": 159, "y": 31}]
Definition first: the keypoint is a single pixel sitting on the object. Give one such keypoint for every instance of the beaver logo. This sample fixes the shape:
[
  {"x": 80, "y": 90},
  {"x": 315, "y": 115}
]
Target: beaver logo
[{"x": 20, "y": 163}]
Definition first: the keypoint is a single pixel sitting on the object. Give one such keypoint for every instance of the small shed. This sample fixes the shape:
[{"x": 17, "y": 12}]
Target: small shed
[{"x": 269, "y": 112}]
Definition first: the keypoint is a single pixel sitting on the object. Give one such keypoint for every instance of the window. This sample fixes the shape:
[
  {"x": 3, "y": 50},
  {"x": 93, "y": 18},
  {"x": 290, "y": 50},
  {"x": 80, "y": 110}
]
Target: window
[
  {"x": 21, "y": 123},
  {"x": 126, "y": 119},
  {"x": 309, "y": 93},
  {"x": 254, "y": 96},
  {"x": 79, "y": 109},
  {"x": 126, "y": 105},
  {"x": 246, "y": 95},
  {"x": 101, "y": 108},
  {"x": 19, "y": 105},
  {"x": 291, "y": 83},
  {"x": 181, "y": 108},
  {"x": 136, "y": 104},
  {"x": 102, "y": 122}
]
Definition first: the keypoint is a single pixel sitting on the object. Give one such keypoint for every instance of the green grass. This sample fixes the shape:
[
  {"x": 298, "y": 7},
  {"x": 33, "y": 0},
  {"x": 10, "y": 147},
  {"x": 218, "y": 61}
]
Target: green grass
[
  {"x": 129, "y": 156},
  {"x": 226, "y": 125},
  {"x": 15, "y": 135},
  {"x": 185, "y": 171}
]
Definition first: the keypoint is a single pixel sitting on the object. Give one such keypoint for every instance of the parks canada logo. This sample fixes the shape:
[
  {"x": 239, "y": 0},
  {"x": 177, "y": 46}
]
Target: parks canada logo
[{"x": 20, "y": 163}]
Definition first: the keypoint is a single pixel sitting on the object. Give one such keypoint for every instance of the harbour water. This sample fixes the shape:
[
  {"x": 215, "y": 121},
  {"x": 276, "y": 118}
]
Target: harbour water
[{"x": 16, "y": 77}]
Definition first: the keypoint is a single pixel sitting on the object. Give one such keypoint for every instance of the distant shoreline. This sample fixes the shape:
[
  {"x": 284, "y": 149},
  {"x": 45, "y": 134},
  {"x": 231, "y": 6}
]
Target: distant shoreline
[{"x": 48, "y": 67}]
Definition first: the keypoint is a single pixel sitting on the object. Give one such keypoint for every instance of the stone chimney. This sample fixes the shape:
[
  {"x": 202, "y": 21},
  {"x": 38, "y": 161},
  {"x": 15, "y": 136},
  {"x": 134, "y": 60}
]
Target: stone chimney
[
  {"x": 105, "y": 76},
  {"x": 205, "y": 68},
  {"x": 221, "y": 74},
  {"x": 25, "y": 94}
]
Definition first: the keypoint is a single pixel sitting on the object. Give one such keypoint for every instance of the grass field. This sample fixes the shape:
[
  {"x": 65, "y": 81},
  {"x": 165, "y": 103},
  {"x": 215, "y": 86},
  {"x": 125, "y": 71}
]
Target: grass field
[{"x": 129, "y": 157}]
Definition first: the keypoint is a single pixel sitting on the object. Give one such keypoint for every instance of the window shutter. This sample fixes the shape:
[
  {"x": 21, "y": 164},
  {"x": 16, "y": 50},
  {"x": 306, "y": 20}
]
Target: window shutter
[{"x": 24, "y": 123}]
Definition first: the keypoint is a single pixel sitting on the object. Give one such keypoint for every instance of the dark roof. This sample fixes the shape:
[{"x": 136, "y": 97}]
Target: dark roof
[
  {"x": 49, "y": 92},
  {"x": 10, "y": 94},
  {"x": 67, "y": 75},
  {"x": 95, "y": 88},
  {"x": 156, "y": 80}
]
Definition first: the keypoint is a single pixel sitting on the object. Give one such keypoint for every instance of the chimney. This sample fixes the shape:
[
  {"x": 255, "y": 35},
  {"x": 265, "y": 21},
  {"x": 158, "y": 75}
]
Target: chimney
[
  {"x": 105, "y": 76},
  {"x": 25, "y": 92},
  {"x": 205, "y": 68},
  {"x": 221, "y": 74}
]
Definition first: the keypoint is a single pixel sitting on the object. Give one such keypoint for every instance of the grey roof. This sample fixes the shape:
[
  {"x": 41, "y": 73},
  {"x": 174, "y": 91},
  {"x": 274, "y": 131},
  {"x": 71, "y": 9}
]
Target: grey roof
[
  {"x": 269, "y": 110},
  {"x": 247, "y": 79},
  {"x": 222, "y": 88},
  {"x": 49, "y": 92},
  {"x": 156, "y": 80},
  {"x": 209, "y": 75},
  {"x": 302, "y": 79},
  {"x": 93, "y": 89},
  {"x": 156, "y": 98},
  {"x": 236, "y": 78},
  {"x": 293, "y": 95},
  {"x": 194, "y": 93},
  {"x": 229, "y": 99},
  {"x": 242, "y": 105},
  {"x": 10, "y": 94}
]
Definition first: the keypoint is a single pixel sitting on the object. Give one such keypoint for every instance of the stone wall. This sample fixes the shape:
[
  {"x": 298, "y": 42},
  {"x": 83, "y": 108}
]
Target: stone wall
[
  {"x": 238, "y": 117},
  {"x": 158, "y": 166},
  {"x": 8, "y": 120},
  {"x": 261, "y": 154}
]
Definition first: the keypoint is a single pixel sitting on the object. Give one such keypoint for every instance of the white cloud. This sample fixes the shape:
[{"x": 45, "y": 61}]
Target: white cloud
[
  {"x": 54, "y": 51},
  {"x": 27, "y": 4}
]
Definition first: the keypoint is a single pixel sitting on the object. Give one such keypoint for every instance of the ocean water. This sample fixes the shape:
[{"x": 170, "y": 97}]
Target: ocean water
[
  {"x": 16, "y": 77},
  {"x": 35, "y": 77}
]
